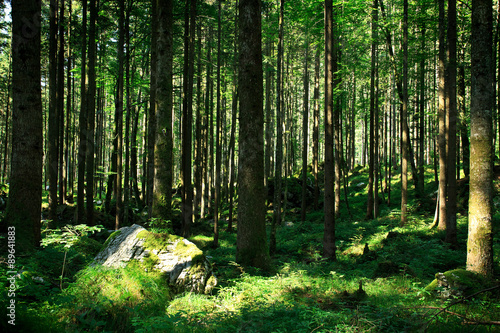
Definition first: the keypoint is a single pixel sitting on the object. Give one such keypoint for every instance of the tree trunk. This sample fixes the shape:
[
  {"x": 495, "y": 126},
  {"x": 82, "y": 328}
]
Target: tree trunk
[
  {"x": 278, "y": 163},
  {"x": 305, "y": 132},
  {"x": 329, "y": 205},
  {"x": 25, "y": 194},
  {"x": 404, "y": 117},
  {"x": 218, "y": 143},
  {"x": 119, "y": 117},
  {"x": 60, "y": 105},
  {"x": 53, "y": 135},
  {"x": 316, "y": 128},
  {"x": 443, "y": 182},
  {"x": 152, "y": 111},
  {"x": 480, "y": 239},
  {"x": 187, "y": 118},
  {"x": 126, "y": 176},
  {"x": 451, "y": 205},
  {"x": 91, "y": 114},
  {"x": 163, "y": 161},
  {"x": 373, "y": 106},
  {"x": 251, "y": 248},
  {"x": 80, "y": 208}
]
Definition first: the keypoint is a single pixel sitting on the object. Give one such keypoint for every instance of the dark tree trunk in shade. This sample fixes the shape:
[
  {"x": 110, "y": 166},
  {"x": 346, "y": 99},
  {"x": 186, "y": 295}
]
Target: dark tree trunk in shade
[
  {"x": 329, "y": 205},
  {"x": 163, "y": 151},
  {"x": 251, "y": 248},
  {"x": 25, "y": 194}
]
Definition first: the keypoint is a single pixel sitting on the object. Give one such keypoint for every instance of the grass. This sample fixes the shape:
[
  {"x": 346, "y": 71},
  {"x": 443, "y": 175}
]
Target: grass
[{"x": 303, "y": 293}]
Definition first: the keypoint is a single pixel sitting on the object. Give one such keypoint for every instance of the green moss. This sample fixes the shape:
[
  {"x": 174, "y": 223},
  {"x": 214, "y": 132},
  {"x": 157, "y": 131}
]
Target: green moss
[
  {"x": 184, "y": 250},
  {"x": 111, "y": 237},
  {"x": 156, "y": 240},
  {"x": 87, "y": 246},
  {"x": 461, "y": 280}
]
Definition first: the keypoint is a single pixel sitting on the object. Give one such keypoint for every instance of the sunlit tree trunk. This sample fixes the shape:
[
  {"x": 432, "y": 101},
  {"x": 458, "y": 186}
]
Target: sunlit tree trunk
[
  {"x": 480, "y": 240},
  {"x": 443, "y": 175}
]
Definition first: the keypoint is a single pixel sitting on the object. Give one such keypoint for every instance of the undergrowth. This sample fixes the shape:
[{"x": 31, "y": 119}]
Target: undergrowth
[{"x": 377, "y": 283}]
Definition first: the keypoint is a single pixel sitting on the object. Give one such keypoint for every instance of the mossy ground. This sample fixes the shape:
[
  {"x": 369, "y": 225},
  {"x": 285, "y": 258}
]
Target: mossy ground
[{"x": 302, "y": 293}]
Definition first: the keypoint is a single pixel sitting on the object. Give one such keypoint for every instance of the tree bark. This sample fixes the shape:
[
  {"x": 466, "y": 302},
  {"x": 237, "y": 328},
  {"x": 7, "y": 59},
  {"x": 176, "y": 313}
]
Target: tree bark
[
  {"x": 329, "y": 227},
  {"x": 91, "y": 113},
  {"x": 162, "y": 198},
  {"x": 278, "y": 163},
  {"x": 251, "y": 248},
  {"x": 480, "y": 239},
  {"x": 315, "y": 137},
  {"x": 80, "y": 205},
  {"x": 443, "y": 181},
  {"x": 152, "y": 110},
  {"x": 25, "y": 194},
  {"x": 451, "y": 205},
  {"x": 305, "y": 132},
  {"x": 119, "y": 117},
  {"x": 53, "y": 135},
  {"x": 404, "y": 117},
  {"x": 187, "y": 118},
  {"x": 373, "y": 106}
]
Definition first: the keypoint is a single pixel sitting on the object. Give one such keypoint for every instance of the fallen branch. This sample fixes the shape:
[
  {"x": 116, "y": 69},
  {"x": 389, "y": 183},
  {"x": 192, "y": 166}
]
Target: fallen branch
[
  {"x": 445, "y": 309},
  {"x": 471, "y": 321}
]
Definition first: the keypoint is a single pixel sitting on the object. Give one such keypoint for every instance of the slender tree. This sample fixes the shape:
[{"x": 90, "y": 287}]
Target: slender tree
[
  {"x": 451, "y": 97},
  {"x": 373, "y": 106},
  {"x": 480, "y": 239},
  {"x": 329, "y": 205},
  {"x": 53, "y": 135},
  {"x": 443, "y": 175},
  {"x": 251, "y": 248},
  {"x": 315, "y": 137},
  {"x": 187, "y": 117},
  {"x": 278, "y": 161},
  {"x": 119, "y": 115},
  {"x": 305, "y": 133},
  {"x": 82, "y": 148},
  {"x": 152, "y": 109},
  {"x": 404, "y": 116},
  {"x": 218, "y": 143},
  {"x": 91, "y": 92}
]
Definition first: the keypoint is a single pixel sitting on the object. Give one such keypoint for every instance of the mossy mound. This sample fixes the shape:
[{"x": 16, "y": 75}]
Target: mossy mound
[
  {"x": 456, "y": 283},
  {"x": 184, "y": 265}
]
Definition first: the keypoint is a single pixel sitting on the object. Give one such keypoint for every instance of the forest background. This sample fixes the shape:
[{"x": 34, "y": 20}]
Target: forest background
[{"x": 181, "y": 115}]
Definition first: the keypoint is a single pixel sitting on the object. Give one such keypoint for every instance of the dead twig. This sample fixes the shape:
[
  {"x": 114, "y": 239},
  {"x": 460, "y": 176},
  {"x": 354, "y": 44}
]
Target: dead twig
[{"x": 445, "y": 309}]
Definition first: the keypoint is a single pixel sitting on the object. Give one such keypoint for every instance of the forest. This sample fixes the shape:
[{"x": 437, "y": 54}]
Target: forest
[{"x": 308, "y": 165}]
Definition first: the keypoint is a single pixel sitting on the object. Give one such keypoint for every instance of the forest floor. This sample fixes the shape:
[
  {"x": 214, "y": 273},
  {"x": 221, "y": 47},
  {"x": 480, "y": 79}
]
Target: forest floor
[{"x": 377, "y": 283}]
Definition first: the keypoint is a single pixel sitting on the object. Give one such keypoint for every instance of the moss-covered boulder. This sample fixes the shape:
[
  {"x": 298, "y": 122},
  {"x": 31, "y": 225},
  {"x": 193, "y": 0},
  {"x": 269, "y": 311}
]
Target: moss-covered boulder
[
  {"x": 456, "y": 283},
  {"x": 185, "y": 266}
]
